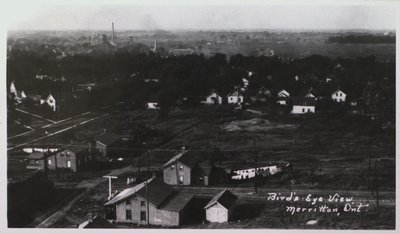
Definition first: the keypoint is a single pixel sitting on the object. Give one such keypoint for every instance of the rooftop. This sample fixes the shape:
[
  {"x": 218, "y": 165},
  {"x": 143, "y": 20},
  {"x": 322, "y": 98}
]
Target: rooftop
[{"x": 225, "y": 198}]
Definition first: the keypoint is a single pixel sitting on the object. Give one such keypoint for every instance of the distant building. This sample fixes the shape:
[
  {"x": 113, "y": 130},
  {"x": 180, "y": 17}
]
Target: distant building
[
  {"x": 235, "y": 97},
  {"x": 338, "y": 96},
  {"x": 221, "y": 207},
  {"x": 152, "y": 103},
  {"x": 181, "y": 52},
  {"x": 244, "y": 172},
  {"x": 49, "y": 101},
  {"x": 213, "y": 99},
  {"x": 105, "y": 143},
  {"x": 282, "y": 101},
  {"x": 188, "y": 168},
  {"x": 150, "y": 202},
  {"x": 17, "y": 96},
  {"x": 283, "y": 93},
  {"x": 303, "y": 105},
  {"x": 70, "y": 157}
]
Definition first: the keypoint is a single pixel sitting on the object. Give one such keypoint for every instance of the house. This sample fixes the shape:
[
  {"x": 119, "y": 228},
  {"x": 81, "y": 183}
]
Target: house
[
  {"x": 50, "y": 101},
  {"x": 283, "y": 101},
  {"x": 283, "y": 93},
  {"x": 248, "y": 172},
  {"x": 213, "y": 99},
  {"x": 105, "y": 145},
  {"x": 152, "y": 103},
  {"x": 150, "y": 202},
  {"x": 70, "y": 157},
  {"x": 235, "y": 97},
  {"x": 338, "y": 96},
  {"x": 263, "y": 94},
  {"x": 221, "y": 207},
  {"x": 188, "y": 168},
  {"x": 303, "y": 105},
  {"x": 17, "y": 96}
]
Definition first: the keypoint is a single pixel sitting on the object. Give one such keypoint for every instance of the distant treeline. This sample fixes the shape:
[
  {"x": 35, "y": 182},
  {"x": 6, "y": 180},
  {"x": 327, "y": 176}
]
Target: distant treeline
[{"x": 361, "y": 39}]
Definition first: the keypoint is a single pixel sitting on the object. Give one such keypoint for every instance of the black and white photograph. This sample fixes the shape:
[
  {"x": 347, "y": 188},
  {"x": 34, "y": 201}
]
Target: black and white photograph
[{"x": 213, "y": 115}]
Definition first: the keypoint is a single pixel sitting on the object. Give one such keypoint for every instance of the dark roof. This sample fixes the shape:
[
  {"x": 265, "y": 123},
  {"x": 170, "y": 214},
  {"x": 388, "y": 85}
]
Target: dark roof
[
  {"x": 153, "y": 98},
  {"x": 97, "y": 222},
  {"x": 157, "y": 192},
  {"x": 206, "y": 167},
  {"x": 303, "y": 101},
  {"x": 107, "y": 138},
  {"x": 177, "y": 201},
  {"x": 225, "y": 198},
  {"x": 188, "y": 158},
  {"x": 77, "y": 148}
]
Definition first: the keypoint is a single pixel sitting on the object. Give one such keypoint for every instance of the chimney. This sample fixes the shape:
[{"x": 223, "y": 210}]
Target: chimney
[{"x": 112, "y": 31}]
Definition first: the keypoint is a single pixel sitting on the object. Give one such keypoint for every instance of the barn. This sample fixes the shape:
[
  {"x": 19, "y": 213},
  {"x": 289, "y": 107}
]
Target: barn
[{"x": 221, "y": 207}]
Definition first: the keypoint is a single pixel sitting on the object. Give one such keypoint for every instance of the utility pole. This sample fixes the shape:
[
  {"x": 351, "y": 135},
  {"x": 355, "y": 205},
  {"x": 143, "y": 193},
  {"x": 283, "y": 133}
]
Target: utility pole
[
  {"x": 147, "y": 187},
  {"x": 256, "y": 165},
  {"x": 377, "y": 183},
  {"x": 369, "y": 173},
  {"x": 109, "y": 184},
  {"x": 138, "y": 165}
]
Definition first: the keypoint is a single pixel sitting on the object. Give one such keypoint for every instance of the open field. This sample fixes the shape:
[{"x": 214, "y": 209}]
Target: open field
[{"x": 328, "y": 156}]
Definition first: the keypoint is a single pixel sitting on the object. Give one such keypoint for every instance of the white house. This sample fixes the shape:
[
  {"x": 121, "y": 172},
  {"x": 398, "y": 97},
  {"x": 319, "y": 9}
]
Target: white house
[
  {"x": 247, "y": 173},
  {"x": 18, "y": 96},
  {"x": 338, "y": 96},
  {"x": 283, "y": 93},
  {"x": 152, "y": 103},
  {"x": 303, "y": 105},
  {"x": 235, "y": 98},
  {"x": 213, "y": 98},
  {"x": 309, "y": 95},
  {"x": 221, "y": 207},
  {"x": 50, "y": 101}
]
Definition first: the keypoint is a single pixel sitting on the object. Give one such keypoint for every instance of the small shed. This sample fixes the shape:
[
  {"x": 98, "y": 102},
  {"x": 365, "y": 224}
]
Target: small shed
[{"x": 220, "y": 208}]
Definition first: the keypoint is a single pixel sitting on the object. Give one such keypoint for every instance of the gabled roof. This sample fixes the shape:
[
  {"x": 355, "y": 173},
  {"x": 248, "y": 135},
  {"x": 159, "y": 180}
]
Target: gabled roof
[
  {"x": 206, "y": 167},
  {"x": 126, "y": 193},
  {"x": 225, "y": 198},
  {"x": 188, "y": 158},
  {"x": 157, "y": 192},
  {"x": 338, "y": 90},
  {"x": 235, "y": 93},
  {"x": 107, "y": 138},
  {"x": 177, "y": 201},
  {"x": 304, "y": 101},
  {"x": 97, "y": 222}
]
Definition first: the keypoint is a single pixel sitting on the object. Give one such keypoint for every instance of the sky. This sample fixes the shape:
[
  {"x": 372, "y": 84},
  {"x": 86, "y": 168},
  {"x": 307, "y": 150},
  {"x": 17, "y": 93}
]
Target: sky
[{"x": 204, "y": 17}]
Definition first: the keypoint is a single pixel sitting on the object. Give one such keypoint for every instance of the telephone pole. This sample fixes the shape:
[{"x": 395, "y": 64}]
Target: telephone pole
[
  {"x": 256, "y": 165},
  {"x": 109, "y": 184}
]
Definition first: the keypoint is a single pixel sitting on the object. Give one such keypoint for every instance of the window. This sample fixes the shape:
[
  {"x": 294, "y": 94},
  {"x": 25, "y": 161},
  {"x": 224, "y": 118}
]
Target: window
[
  {"x": 172, "y": 167},
  {"x": 181, "y": 179},
  {"x": 49, "y": 161},
  {"x": 180, "y": 167},
  {"x": 303, "y": 110},
  {"x": 142, "y": 215},
  {"x": 128, "y": 202},
  {"x": 128, "y": 215},
  {"x": 67, "y": 153},
  {"x": 142, "y": 203},
  {"x": 68, "y": 164}
]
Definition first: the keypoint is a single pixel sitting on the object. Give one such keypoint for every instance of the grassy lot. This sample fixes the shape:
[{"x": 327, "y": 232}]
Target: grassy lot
[{"x": 326, "y": 153}]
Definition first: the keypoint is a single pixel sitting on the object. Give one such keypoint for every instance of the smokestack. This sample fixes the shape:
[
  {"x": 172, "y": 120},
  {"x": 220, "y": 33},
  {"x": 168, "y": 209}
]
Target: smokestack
[{"x": 112, "y": 31}]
